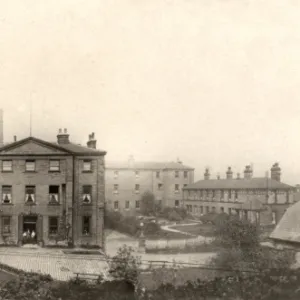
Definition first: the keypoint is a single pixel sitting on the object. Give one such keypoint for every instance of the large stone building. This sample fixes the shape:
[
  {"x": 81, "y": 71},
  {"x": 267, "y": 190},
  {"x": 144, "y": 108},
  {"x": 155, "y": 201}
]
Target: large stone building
[
  {"x": 262, "y": 199},
  {"x": 55, "y": 189},
  {"x": 127, "y": 181}
]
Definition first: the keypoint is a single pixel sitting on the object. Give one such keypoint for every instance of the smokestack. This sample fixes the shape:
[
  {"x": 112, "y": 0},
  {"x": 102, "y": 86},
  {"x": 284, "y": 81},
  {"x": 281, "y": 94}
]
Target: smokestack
[
  {"x": 1, "y": 127},
  {"x": 92, "y": 142}
]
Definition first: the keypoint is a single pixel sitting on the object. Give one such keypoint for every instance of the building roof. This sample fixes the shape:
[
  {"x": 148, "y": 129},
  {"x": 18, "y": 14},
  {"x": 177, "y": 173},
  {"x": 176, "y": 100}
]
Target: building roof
[
  {"x": 79, "y": 149},
  {"x": 252, "y": 183},
  {"x": 288, "y": 228},
  {"x": 138, "y": 165},
  {"x": 70, "y": 148}
]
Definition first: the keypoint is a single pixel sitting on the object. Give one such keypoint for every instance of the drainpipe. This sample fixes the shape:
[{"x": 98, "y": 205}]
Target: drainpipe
[{"x": 73, "y": 201}]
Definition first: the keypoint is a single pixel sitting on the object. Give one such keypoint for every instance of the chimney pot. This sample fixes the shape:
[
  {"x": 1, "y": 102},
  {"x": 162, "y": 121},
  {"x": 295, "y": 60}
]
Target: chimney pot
[
  {"x": 59, "y": 130},
  {"x": 65, "y": 130},
  {"x": 15, "y": 138},
  {"x": 63, "y": 138}
]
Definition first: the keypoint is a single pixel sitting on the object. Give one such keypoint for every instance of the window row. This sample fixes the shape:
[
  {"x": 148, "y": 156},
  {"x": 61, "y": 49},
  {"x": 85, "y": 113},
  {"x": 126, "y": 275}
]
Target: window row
[
  {"x": 53, "y": 194},
  {"x": 157, "y": 174},
  {"x": 127, "y": 204},
  {"x": 137, "y": 188},
  {"x": 53, "y": 225},
  {"x": 54, "y": 165}
]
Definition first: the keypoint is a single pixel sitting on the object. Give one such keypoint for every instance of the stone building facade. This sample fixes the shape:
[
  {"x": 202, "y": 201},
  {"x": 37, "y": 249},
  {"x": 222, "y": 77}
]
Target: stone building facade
[
  {"x": 55, "y": 189},
  {"x": 126, "y": 182},
  {"x": 259, "y": 199}
]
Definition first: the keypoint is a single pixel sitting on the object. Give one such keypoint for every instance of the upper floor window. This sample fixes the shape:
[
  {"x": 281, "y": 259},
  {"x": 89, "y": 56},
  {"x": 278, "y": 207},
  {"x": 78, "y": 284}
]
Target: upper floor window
[
  {"x": 176, "y": 188},
  {"x": 185, "y": 185},
  {"x": 137, "y": 188},
  {"x": 54, "y": 194},
  {"x": 87, "y": 166},
  {"x": 54, "y": 165},
  {"x": 176, "y": 174},
  {"x": 6, "y": 194},
  {"x": 185, "y": 174},
  {"x": 86, "y": 225},
  {"x": 6, "y": 165},
  {"x": 137, "y": 204},
  {"x": 176, "y": 203},
  {"x": 30, "y": 194},
  {"x": 137, "y": 174},
  {"x": 116, "y": 174},
  {"x": 6, "y": 224},
  {"x": 87, "y": 194},
  {"x": 157, "y": 174},
  {"x": 159, "y": 186},
  {"x": 116, "y": 205},
  {"x": 116, "y": 188},
  {"x": 30, "y": 165}
]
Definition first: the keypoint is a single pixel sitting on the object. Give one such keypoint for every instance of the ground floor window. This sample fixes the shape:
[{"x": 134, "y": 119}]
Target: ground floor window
[
  {"x": 86, "y": 225},
  {"x": 176, "y": 203},
  {"x": 53, "y": 225},
  {"x": 6, "y": 224},
  {"x": 222, "y": 209},
  {"x": 137, "y": 204}
]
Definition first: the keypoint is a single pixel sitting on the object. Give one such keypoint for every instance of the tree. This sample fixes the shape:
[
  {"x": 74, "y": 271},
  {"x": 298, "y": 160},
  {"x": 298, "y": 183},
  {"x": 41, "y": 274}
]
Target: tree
[
  {"x": 147, "y": 204},
  {"x": 241, "y": 249}
]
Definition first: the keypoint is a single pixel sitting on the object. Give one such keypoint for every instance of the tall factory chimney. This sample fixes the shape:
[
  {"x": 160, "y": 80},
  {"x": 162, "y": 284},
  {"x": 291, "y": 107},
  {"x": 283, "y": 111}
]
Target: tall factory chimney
[{"x": 1, "y": 127}]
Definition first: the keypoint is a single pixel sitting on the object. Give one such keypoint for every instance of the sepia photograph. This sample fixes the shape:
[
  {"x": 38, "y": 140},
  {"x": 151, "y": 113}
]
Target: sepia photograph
[{"x": 148, "y": 150}]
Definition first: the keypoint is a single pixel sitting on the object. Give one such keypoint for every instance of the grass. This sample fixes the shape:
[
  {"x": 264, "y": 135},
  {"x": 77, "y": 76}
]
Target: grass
[{"x": 206, "y": 230}]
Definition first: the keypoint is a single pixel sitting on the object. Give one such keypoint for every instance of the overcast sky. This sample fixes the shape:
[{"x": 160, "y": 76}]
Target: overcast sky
[{"x": 213, "y": 82}]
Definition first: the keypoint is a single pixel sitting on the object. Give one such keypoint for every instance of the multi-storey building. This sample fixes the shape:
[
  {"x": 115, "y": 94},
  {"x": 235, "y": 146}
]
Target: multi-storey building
[
  {"x": 55, "y": 189},
  {"x": 262, "y": 199},
  {"x": 127, "y": 181}
]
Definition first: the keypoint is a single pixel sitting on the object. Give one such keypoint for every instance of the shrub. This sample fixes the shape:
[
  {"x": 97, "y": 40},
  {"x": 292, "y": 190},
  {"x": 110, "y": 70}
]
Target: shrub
[
  {"x": 124, "y": 266},
  {"x": 174, "y": 216},
  {"x": 151, "y": 228}
]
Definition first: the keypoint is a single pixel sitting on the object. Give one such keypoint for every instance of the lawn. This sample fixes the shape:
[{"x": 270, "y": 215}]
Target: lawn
[
  {"x": 4, "y": 277},
  {"x": 207, "y": 230}
]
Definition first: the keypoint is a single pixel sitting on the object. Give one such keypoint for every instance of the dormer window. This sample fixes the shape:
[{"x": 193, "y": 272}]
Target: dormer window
[
  {"x": 30, "y": 165},
  {"x": 6, "y": 194},
  {"x": 87, "y": 194},
  {"x": 30, "y": 194},
  {"x": 53, "y": 194}
]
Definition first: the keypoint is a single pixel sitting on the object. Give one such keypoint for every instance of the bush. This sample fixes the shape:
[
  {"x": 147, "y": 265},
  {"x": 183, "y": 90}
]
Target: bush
[
  {"x": 151, "y": 228},
  {"x": 174, "y": 216},
  {"x": 124, "y": 266}
]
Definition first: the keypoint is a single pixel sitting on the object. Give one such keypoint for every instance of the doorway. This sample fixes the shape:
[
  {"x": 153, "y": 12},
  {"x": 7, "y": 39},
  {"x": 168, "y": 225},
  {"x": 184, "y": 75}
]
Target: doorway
[{"x": 29, "y": 229}]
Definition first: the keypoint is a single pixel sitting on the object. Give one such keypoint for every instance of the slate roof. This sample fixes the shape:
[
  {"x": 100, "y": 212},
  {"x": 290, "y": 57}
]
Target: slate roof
[
  {"x": 253, "y": 183},
  {"x": 148, "y": 165},
  {"x": 69, "y": 148},
  {"x": 288, "y": 228}
]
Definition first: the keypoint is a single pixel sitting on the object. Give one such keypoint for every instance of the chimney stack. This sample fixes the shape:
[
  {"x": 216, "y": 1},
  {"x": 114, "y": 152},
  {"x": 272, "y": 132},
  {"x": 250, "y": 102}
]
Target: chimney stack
[
  {"x": 92, "y": 142},
  {"x": 206, "y": 174},
  {"x": 63, "y": 137},
  {"x": 229, "y": 173},
  {"x": 1, "y": 127},
  {"x": 248, "y": 172},
  {"x": 276, "y": 172}
]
